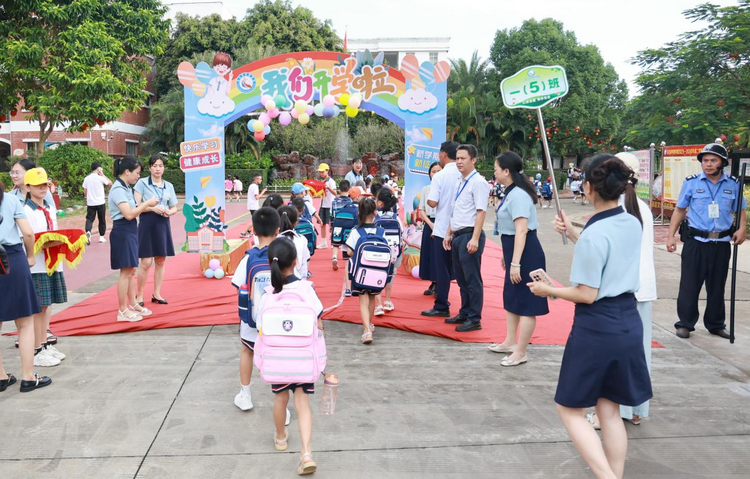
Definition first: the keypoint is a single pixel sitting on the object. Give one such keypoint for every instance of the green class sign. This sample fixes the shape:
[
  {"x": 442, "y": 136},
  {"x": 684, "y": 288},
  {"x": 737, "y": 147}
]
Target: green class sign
[{"x": 534, "y": 86}]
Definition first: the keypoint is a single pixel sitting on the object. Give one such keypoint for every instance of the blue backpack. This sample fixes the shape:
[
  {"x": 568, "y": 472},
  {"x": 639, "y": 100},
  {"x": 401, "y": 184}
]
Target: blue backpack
[
  {"x": 371, "y": 262},
  {"x": 344, "y": 220},
  {"x": 305, "y": 228},
  {"x": 258, "y": 274},
  {"x": 391, "y": 226},
  {"x": 546, "y": 190}
]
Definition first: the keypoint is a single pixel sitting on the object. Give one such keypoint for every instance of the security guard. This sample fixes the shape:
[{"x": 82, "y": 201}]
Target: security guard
[{"x": 708, "y": 200}]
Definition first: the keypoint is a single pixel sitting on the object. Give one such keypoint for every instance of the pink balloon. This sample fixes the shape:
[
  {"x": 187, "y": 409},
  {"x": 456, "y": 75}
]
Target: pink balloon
[
  {"x": 310, "y": 110},
  {"x": 285, "y": 118},
  {"x": 264, "y": 99},
  {"x": 264, "y": 118},
  {"x": 294, "y": 113},
  {"x": 274, "y": 113},
  {"x": 328, "y": 100}
]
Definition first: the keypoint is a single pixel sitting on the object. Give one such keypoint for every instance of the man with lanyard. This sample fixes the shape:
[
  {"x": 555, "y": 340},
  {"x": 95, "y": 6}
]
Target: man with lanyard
[
  {"x": 465, "y": 239},
  {"x": 710, "y": 199},
  {"x": 355, "y": 174},
  {"x": 442, "y": 196}
]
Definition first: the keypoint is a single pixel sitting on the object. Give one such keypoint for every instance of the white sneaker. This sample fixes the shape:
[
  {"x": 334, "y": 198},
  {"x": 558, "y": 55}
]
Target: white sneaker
[
  {"x": 245, "y": 403},
  {"x": 45, "y": 360},
  {"x": 52, "y": 351},
  {"x": 102, "y": 239},
  {"x": 288, "y": 418}
]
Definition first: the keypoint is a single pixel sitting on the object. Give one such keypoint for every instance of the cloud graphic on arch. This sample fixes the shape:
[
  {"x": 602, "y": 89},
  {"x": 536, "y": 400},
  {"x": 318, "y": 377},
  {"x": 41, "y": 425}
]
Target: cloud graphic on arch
[
  {"x": 417, "y": 101},
  {"x": 215, "y": 105}
]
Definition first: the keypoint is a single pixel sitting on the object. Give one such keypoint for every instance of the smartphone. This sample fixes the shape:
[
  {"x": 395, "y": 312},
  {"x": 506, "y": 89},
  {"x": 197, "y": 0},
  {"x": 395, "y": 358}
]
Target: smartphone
[{"x": 541, "y": 275}]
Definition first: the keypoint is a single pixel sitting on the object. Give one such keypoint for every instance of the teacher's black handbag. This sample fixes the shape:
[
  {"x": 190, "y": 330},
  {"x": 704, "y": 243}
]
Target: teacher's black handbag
[{"x": 4, "y": 264}]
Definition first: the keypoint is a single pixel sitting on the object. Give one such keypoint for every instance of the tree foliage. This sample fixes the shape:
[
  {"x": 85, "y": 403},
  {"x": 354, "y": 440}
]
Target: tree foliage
[
  {"x": 698, "y": 87},
  {"x": 78, "y": 61},
  {"x": 69, "y": 164}
]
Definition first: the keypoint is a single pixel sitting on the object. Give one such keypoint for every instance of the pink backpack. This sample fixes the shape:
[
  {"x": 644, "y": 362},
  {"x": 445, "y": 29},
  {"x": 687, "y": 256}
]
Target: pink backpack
[{"x": 290, "y": 348}]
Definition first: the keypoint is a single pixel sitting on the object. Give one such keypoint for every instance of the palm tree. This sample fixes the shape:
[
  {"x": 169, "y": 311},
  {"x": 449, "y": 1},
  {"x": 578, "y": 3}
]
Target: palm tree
[
  {"x": 469, "y": 77},
  {"x": 166, "y": 126}
]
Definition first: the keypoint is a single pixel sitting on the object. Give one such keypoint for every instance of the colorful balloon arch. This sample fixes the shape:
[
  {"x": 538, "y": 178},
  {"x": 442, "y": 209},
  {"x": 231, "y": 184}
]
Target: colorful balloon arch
[{"x": 297, "y": 86}]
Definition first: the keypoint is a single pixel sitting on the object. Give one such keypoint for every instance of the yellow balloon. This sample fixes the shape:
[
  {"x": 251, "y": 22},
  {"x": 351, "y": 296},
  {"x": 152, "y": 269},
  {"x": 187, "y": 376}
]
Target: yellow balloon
[
  {"x": 300, "y": 106},
  {"x": 344, "y": 99},
  {"x": 351, "y": 112},
  {"x": 304, "y": 118},
  {"x": 258, "y": 126}
]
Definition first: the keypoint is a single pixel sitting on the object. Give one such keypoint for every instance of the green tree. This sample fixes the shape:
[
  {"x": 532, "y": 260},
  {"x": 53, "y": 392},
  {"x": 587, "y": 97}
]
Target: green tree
[
  {"x": 78, "y": 61},
  {"x": 698, "y": 87},
  {"x": 165, "y": 129},
  {"x": 589, "y": 116}
]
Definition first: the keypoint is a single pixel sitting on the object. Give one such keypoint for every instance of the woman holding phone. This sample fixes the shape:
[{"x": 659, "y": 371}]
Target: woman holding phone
[{"x": 522, "y": 254}]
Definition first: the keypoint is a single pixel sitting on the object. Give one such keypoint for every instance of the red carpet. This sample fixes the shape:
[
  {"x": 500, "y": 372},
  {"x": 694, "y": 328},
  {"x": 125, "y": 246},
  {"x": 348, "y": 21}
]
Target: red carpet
[{"x": 197, "y": 301}]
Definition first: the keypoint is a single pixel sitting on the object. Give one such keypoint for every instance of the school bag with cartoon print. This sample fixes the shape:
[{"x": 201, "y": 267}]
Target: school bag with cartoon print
[
  {"x": 391, "y": 226},
  {"x": 372, "y": 261},
  {"x": 290, "y": 348},
  {"x": 258, "y": 274},
  {"x": 344, "y": 220}
]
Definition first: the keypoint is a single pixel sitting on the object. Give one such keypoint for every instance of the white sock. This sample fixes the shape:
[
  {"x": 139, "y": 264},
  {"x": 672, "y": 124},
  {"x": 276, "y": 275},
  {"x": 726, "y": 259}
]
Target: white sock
[{"x": 245, "y": 390}]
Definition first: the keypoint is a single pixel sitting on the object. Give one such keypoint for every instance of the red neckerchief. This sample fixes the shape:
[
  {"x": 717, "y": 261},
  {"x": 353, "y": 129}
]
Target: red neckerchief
[{"x": 45, "y": 210}]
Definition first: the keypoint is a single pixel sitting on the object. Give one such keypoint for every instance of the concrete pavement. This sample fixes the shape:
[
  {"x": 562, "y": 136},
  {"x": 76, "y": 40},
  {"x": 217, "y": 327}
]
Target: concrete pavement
[{"x": 159, "y": 404}]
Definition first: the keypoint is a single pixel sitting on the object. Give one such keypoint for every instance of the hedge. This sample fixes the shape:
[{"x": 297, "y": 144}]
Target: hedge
[
  {"x": 6, "y": 181},
  {"x": 177, "y": 178},
  {"x": 561, "y": 176}
]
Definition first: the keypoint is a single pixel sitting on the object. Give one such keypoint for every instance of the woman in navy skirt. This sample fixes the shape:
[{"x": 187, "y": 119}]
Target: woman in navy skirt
[
  {"x": 427, "y": 213},
  {"x": 123, "y": 240},
  {"x": 603, "y": 364},
  {"x": 19, "y": 302},
  {"x": 154, "y": 231},
  {"x": 522, "y": 254}
]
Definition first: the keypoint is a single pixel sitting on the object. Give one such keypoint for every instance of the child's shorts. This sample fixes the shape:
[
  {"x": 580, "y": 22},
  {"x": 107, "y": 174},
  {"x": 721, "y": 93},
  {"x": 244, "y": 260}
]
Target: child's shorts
[
  {"x": 307, "y": 388},
  {"x": 547, "y": 198},
  {"x": 245, "y": 333}
]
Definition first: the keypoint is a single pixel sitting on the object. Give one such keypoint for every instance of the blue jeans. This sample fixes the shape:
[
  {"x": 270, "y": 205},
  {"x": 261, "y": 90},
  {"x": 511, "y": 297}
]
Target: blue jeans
[{"x": 468, "y": 270}]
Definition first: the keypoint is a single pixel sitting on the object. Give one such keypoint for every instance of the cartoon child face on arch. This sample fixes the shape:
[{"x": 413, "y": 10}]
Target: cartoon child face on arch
[{"x": 216, "y": 102}]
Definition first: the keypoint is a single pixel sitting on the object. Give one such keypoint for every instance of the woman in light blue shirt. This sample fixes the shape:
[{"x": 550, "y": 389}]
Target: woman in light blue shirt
[
  {"x": 604, "y": 363},
  {"x": 19, "y": 302},
  {"x": 522, "y": 254},
  {"x": 123, "y": 240},
  {"x": 154, "y": 231},
  {"x": 17, "y": 172}
]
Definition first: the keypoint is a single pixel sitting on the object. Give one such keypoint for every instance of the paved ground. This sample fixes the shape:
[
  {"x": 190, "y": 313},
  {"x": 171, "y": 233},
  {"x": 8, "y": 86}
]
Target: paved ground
[{"x": 159, "y": 404}]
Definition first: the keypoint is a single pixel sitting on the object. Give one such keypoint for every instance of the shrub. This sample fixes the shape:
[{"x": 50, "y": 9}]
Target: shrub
[
  {"x": 69, "y": 164},
  {"x": 6, "y": 181},
  {"x": 378, "y": 138}
]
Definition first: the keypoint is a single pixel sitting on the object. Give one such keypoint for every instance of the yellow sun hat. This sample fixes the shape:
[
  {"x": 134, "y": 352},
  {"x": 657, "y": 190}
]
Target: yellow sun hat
[
  {"x": 324, "y": 167},
  {"x": 35, "y": 177}
]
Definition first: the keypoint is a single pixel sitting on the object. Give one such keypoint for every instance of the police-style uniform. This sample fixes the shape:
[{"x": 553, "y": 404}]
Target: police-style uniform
[
  {"x": 18, "y": 296},
  {"x": 706, "y": 236},
  {"x": 123, "y": 240},
  {"x": 154, "y": 230}
]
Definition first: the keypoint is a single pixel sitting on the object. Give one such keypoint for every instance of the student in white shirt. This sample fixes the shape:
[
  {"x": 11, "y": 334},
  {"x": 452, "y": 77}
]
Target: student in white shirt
[
  {"x": 96, "y": 202},
  {"x": 253, "y": 202},
  {"x": 329, "y": 192}
]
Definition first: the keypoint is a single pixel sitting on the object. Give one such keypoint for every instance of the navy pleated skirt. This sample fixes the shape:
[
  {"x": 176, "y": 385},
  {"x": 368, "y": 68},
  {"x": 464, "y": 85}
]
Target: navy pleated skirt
[
  {"x": 123, "y": 244},
  {"x": 518, "y": 298},
  {"x": 16, "y": 288},
  {"x": 604, "y": 356},
  {"x": 426, "y": 258},
  {"x": 154, "y": 236}
]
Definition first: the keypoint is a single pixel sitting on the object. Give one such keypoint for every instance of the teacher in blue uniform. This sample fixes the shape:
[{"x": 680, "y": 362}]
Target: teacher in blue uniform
[
  {"x": 154, "y": 231},
  {"x": 123, "y": 240},
  {"x": 19, "y": 302},
  {"x": 522, "y": 254},
  {"x": 604, "y": 364}
]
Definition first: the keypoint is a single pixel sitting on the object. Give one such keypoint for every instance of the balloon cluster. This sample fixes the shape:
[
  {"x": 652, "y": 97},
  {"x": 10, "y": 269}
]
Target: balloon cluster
[
  {"x": 279, "y": 106},
  {"x": 214, "y": 270}
]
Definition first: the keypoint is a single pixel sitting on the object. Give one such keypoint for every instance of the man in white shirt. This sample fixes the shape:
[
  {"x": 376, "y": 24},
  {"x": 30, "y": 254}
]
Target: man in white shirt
[
  {"x": 253, "y": 201},
  {"x": 442, "y": 197},
  {"x": 465, "y": 238},
  {"x": 329, "y": 192},
  {"x": 93, "y": 189}
]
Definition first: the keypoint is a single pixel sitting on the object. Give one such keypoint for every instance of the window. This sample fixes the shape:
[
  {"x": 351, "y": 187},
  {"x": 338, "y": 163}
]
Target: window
[
  {"x": 147, "y": 103},
  {"x": 32, "y": 147},
  {"x": 433, "y": 57},
  {"x": 391, "y": 59},
  {"x": 131, "y": 149}
]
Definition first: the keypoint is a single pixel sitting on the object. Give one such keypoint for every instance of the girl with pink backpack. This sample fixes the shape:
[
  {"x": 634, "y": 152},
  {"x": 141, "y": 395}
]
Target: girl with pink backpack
[{"x": 290, "y": 346}]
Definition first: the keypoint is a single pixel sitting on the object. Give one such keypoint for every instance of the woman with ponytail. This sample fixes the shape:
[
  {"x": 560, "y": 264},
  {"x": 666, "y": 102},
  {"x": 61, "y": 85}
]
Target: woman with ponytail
[
  {"x": 646, "y": 295},
  {"x": 522, "y": 254},
  {"x": 604, "y": 363},
  {"x": 123, "y": 240}
]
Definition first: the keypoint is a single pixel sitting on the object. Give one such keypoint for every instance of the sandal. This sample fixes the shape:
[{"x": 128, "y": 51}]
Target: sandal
[
  {"x": 128, "y": 316},
  {"x": 335, "y": 263},
  {"x": 367, "y": 337},
  {"x": 139, "y": 309},
  {"x": 280, "y": 444},
  {"x": 306, "y": 465},
  {"x": 388, "y": 306},
  {"x": 591, "y": 417},
  {"x": 378, "y": 311},
  {"x": 635, "y": 420}
]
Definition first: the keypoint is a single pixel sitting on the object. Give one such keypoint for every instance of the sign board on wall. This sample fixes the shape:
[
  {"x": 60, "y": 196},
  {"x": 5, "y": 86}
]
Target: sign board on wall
[
  {"x": 679, "y": 162},
  {"x": 643, "y": 173}
]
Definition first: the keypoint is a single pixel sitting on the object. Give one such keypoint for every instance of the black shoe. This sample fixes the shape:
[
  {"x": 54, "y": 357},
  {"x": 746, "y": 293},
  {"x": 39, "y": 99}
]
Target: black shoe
[
  {"x": 4, "y": 383},
  {"x": 683, "y": 333},
  {"x": 469, "y": 325},
  {"x": 457, "y": 319},
  {"x": 437, "y": 313},
  {"x": 722, "y": 333},
  {"x": 430, "y": 291},
  {"x": 160, "y": 301},
  {"x": 36, "y": 383}
]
